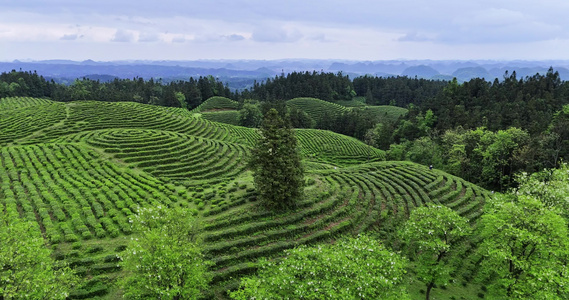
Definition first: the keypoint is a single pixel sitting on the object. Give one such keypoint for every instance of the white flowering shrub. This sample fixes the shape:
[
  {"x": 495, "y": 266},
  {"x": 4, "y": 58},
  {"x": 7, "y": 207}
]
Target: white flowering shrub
[
  {"x": 353, "y": 268},
  {"x": 164, "y": 259},
  {"x": 431, "y": 234},
  {"x": 27, "y": 270}
]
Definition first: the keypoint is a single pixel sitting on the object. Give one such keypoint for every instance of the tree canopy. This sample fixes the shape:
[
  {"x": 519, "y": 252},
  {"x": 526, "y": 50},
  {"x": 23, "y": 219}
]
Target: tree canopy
[
  {"x": 27, "y": 270},
  {"x": 275, "y": 161},
  {"x": 525, "y": 249},
  {"x": 353, "y": 268},
  {"x": 164, "y": 260},
  {"x": 432, "y": 233}
]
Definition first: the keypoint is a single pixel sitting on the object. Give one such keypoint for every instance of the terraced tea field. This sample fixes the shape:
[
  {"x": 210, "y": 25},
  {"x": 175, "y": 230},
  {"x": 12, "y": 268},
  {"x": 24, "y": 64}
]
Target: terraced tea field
[
  {"x": 230, "y": 117},
  {"x": 382, "y": 113},
  {"x": 80, "y": 169},
  {"x": 166, "y": 154},
  {"x": 216, "y": 103},
  {"x": 317, "y": 109}
]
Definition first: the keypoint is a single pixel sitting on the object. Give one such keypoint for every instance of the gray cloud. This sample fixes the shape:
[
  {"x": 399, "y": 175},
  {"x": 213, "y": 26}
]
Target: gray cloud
[
  {"x": 321, "y": 37},
  {"x": 500, "y": 26},
  {"x": 414, "y": 37},
  {"x": 258, "y": 27},
  {"x": 146, "y": 37},
  {"x": 69, "y": 37},
  {"x": 234, "y": 37},
  {"x": 275, "y": 34},
  {"x": 122, "y": 36},
  {"x": 179, "y": 40}
]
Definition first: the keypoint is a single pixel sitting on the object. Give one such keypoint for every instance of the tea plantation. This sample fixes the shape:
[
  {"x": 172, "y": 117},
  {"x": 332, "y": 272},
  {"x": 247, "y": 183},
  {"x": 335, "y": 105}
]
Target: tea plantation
[{"x": 81, "y": 169}]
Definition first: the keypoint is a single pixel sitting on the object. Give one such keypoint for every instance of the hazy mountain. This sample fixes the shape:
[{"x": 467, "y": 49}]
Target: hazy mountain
[
  {"x": 241, "y": 74},
  {"x": 421, "y": 71},
  {"x": 464, "y": 74}
]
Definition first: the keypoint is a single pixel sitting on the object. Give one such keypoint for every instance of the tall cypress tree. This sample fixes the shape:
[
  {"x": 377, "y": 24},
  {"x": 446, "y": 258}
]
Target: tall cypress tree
[{"x": 278, "y": 173}]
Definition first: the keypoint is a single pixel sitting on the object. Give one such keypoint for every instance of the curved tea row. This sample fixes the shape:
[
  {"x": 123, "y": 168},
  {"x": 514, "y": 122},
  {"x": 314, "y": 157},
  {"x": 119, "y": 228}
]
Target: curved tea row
[
  {"x": 72, "y": 193},
  {"x": 22, "y": 122},
  {"x": 21, "y": 102},
  {"x": 335, "y": 148},
  {"x": 216, "y": 103},
  {"x": 169, "y": 154},
  {"x": 356, "y": 199},
  {"x": 92, "y": 115},
  {"x": 317, "y": 109}
]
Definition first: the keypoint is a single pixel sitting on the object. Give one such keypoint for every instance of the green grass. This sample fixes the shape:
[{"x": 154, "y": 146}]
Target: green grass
[{"x": 80, "y": 169}]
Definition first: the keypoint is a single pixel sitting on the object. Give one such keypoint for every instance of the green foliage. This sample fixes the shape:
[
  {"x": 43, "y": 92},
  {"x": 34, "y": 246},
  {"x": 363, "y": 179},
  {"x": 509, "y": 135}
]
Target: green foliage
[
  {"x": 525, "y": 249},
  {"x": 549, "y": 186},
  {"x": 432, "y": 233},
  {"x": 250, "y": 115},
  {"x": 299, "y": 118},
  {"x": 478, "y": 155},
  {"x": 181, "y": 99},
  {"x": 278, "y": 173},
  {"x": 385, "y": 113},
  {"x": 558, "y": 129},
  {"x": 27, "y": 270},
  {"x": 326, "y": 86},
  {"x": 165, "y": 260},
  {"x": 399, "y": 91},
  {"x": 353, "y": 268}
]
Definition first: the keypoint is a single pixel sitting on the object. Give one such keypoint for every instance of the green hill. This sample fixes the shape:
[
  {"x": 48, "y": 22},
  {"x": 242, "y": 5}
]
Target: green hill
[
  {"x": 334, "y": 148},
  {"x": 216, "y": 103},
  {"x": 225, "y": 116},
  {"x": 20, "y": 102},
  {"x": 316, "y": 108},
  {"x": 219, "y": 109},
  {"x": 80, "y": 169},
  {"x": 382, "y": 113}
]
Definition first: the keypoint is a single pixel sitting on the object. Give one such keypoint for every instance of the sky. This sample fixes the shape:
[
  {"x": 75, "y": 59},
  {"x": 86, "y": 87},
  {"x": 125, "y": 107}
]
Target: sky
[{"x": 107, "y": 30}]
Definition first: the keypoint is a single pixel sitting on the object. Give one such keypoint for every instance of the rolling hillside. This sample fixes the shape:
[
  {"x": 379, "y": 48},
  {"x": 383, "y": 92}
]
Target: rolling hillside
[
  {"x": 80, "y": 169},
  {"x": 216, "y": 103},
  {"x": 316, "y": 108},
  {"x": 219, "y": 109},
  {"x": 224, "y": 110}
]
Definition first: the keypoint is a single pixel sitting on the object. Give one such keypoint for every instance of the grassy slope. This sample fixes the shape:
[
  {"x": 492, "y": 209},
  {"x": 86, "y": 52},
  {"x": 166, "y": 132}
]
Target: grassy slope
[
  {"x": 317, "y": 108},
  {"x": 216, "y": 103},
  {"x": 82, "y": 174}
]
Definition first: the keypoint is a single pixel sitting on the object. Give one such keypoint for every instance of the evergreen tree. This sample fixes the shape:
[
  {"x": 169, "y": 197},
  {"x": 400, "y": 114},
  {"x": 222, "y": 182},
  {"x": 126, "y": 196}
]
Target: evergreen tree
[{"x": 278, "y": 173}]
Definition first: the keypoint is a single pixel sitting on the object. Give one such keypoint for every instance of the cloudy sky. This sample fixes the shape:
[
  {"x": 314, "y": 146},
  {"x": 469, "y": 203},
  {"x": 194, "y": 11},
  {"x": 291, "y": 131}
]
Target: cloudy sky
[{"x": 106, "y": 30}]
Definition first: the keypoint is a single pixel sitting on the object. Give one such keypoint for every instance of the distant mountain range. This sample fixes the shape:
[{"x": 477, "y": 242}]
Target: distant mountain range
[{"x": 241, "y": 74}]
